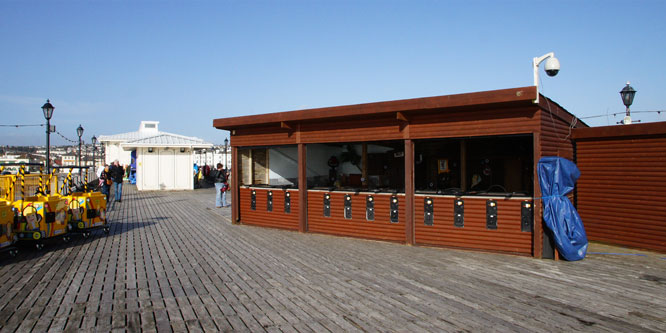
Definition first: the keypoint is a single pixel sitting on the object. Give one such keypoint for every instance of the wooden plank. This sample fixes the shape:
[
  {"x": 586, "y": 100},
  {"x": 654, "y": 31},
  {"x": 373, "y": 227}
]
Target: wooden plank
[
  {"x": 463, "y": 165},
  {"x": 537, "y": 234},
  {"x": 624, "y": 131},
  {"x": 235, "y": 185},
  {"x": 523, "y": 95},
  {"x": 364, "y": 163},
  {"x": 508, "y": 236},
  {"x": 302, "y": 188},
  {"x": 621, "y": 185},
  {"x": 173, "y": 263},
  {"x": 409, "y": 192}
]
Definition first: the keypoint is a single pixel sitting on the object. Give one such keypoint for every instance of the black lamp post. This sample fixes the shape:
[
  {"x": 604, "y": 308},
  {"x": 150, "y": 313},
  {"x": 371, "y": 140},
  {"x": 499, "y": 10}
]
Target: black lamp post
[
  {"x": 226, "y": 145},
  {"x": 47, "y": 108},
  {"x": 627, "y": 93},
  {"x": 94, "y": 141},
  {"x": 79, "y": 131}
]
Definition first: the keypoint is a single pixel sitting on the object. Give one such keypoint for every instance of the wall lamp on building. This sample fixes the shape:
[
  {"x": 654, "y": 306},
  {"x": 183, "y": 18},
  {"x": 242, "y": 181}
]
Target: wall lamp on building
[
  {"x": 47, "y": 109},
  {"x": 627, "y": 93}
]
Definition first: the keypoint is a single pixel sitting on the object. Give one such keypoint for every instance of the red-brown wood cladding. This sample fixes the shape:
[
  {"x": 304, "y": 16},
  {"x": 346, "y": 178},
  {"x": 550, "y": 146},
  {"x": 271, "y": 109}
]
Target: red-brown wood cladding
[
  {"x": 261, "y": 217},
  {"x": 444, "y": 124},
  {"x": 554, "y": 139},
  {"x": 261, "y": 136},
  {"x": 622, "y": 185},
  {"x": 489, "y": 99},
  {"x": 508, "y": 236},
  {"x": 381, "y": 228},
  {"x": 381, "y": 127},
  {"x": 464, "y": 123}
]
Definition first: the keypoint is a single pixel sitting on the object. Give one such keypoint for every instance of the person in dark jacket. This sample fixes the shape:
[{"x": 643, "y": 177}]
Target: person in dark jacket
[
  {"x": 220, "y": 180},
  {"x": 117, "y": 174},
  {"x": 105, "y": 177}
]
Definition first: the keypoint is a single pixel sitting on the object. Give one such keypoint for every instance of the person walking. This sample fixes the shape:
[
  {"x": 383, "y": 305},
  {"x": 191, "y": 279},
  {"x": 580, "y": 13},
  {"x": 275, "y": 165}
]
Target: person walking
[
  {"x": 105, "y": 180},
  {"x": 100, "y": 171},
  {"x": 117, "y": 174},
  {"x": 220, "y": 181}
]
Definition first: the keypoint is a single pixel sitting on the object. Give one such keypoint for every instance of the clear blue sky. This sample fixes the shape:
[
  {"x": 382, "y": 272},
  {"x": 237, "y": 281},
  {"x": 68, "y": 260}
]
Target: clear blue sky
[{"x": 110, "y": 64}]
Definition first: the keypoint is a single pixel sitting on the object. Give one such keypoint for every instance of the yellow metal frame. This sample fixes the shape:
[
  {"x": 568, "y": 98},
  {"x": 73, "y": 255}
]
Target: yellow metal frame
[
  {"x": 6, "y": 224},
  {"x": 10, "y": 188}
]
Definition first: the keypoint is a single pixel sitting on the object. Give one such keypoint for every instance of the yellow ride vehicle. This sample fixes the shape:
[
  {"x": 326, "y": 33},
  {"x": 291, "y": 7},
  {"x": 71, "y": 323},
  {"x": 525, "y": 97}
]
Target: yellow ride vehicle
[
  {"x": 87, "y": 212},
  {"x": 7, "y": 237},
  {"x": 38, "y": 218}
]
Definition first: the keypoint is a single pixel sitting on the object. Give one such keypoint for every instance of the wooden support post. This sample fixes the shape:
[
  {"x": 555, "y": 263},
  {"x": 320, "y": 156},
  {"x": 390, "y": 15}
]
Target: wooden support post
[
  {"x": 537, "y": 230},
  {"x": 235, "y": 185},
  {"x": 463, "y": 165},
  {"x": 409, "y": 192},
  {"x": 364, "y": 165},
  {"x": 302, "y": 189},
  {"x": 267, "y": 168}
]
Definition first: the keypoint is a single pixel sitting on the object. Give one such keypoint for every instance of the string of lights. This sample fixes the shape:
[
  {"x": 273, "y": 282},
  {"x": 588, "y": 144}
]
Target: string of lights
[
  {"x": 23, "y": 125},
  {"x": 622, "y": 113},
  {"x": 41, "y": 125},
  {"x": 64, "y": 137}
]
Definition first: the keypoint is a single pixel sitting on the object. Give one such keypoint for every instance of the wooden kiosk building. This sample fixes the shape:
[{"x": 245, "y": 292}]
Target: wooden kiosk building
[{"x": 452, "y": 171}]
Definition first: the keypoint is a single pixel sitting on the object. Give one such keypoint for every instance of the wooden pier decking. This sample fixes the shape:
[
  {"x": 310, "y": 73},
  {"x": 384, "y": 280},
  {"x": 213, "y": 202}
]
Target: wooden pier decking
[{"x": 174, "y": 262}]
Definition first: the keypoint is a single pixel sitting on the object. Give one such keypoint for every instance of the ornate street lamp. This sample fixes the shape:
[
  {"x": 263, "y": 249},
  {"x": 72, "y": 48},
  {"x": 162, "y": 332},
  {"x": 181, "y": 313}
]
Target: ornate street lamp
[
  {"x": 94, "y": 141},
  {"x": 226, "y": 145},
  {"x": 79, "y": 131},
  {"x": 47, "y": 108},
  {"x": 627, "y": 93}
]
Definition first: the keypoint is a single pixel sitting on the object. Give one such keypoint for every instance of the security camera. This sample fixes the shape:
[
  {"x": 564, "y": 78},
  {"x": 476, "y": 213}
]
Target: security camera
[{"x": 552, "y": 66}]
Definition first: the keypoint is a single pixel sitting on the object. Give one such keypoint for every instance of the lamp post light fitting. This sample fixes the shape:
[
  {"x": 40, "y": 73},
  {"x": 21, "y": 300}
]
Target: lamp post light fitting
[
  {"x": 47, "y": 109},
  {"x": 627, "y": 93}
]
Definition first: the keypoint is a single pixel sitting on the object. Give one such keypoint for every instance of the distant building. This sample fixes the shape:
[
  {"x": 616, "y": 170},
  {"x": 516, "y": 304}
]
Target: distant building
[
  {"x": 213, "y": 156},
  {"x": 68, "y": 160},
  {"x": 162, "y": 161},
  {"x": 22, "y": 158}
]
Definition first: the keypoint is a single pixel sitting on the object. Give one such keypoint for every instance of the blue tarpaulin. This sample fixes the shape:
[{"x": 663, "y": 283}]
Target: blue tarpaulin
[{"x": 557, "y": 177}]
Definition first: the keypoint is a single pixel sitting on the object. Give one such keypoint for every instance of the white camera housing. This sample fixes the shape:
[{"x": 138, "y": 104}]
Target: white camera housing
[{"x": 552, "y": 66}]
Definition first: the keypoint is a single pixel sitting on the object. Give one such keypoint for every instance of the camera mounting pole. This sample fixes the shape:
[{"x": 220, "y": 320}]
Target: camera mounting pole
[{"x": 535, "y": 66}]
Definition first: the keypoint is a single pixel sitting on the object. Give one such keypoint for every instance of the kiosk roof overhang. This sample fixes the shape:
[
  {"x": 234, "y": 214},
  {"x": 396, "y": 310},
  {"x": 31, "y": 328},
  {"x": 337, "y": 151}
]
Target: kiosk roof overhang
[{"x": 522, "y": 96}]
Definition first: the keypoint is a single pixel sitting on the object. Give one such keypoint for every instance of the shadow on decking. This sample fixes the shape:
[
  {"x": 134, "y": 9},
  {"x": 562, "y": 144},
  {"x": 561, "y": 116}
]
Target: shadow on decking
[{"x": 28, "y": 251}]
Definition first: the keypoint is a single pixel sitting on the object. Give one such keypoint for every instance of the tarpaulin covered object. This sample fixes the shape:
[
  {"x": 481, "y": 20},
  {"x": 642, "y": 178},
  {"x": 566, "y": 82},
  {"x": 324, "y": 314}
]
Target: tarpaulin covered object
[{"x": 557, "y": 177}]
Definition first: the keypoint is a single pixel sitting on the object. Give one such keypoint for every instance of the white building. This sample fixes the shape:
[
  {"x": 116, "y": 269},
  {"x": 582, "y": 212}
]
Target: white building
[
  {"x": 23, "y": 158},
  {"x": 164, "y": 161},
  {"x": 68, "y": 160}
]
